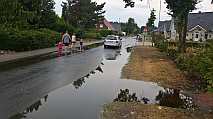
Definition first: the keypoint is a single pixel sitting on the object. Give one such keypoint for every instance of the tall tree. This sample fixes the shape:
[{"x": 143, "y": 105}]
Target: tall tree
[
  {"x": 151, "y": 21},
  {"x": 130, "y": 27},
  {"x": 82, "y": 13},
  {"x": 12, "y": 13},
  {"x": 179, "y": 9},
  {"x": 43, "y": 14}
]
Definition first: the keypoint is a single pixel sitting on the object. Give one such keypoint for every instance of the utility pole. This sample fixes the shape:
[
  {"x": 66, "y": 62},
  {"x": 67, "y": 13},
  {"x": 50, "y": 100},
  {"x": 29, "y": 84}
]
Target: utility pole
[{"x": 160, "y": 11}]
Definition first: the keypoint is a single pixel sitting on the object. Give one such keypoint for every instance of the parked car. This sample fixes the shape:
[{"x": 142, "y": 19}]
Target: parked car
[{"x": 112, "y": 41}]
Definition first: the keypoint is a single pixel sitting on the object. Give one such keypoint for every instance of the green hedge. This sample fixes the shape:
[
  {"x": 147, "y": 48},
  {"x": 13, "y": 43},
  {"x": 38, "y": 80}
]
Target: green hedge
[
  {"x": 105, "y": 33},
  {"x": 92, "y": 35},
  {"x": 25, "y": 40}
]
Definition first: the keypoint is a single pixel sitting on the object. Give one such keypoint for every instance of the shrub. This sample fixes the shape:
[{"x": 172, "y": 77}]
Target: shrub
[
  {"x": 105, "y": 33},
  {"x": 92, "y": 35},
  {"x": 172, "y": 53},
  {"x": 200, "y": 63},
  {"x": 16, "y": 40}
]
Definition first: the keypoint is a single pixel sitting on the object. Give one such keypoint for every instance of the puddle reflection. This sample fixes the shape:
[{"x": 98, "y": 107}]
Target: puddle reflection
[
  {"x": 78, "y": 83},
  {"x": 112, "y": 54},
  {"x": 32, "y": 108}
]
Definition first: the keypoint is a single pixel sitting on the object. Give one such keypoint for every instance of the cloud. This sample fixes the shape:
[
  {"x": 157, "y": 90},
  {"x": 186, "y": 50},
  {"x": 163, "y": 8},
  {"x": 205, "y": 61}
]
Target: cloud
[{"x": 115, "y": 10}]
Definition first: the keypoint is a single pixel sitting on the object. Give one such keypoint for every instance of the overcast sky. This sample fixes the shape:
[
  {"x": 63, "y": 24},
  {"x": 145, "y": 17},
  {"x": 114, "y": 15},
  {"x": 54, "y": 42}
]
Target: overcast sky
[{"x": 115, "y": 10}]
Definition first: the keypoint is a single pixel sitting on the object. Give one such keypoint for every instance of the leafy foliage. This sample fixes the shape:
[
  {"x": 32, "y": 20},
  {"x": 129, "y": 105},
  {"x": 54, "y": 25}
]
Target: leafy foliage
[
  {"x": 105, "y": 33},
  {"x": 198, "y": 63},
  {"x": 151, "y": 21},
  {"x": 179, "y": 10},
  {"x": 82, "y": 13},
  {"x": 16, "y": 40},
  {"x": 130, "y": 27}
]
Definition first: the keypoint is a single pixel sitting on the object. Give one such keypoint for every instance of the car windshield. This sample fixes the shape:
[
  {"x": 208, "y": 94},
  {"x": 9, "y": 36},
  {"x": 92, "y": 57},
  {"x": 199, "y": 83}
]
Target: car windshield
[{"x": 111, "y": 38}]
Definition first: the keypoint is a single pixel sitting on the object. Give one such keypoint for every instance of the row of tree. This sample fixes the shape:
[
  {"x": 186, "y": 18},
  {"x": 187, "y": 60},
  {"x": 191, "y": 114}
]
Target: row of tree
[
  {"x": 83, "y": 13},
  {"x": 40, "y": 13},
  {"x": 28, "y": 13},
  {"x": 33, "y": 24}
]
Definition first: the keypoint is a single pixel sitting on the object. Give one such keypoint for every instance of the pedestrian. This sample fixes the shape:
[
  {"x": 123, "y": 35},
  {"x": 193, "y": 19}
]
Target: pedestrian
[
  {"x": 66, "y": 40},
  {"x": 81, "y": 45},
  {"x": 59, "y": 49},
  {"x": 73, "y": 40}
]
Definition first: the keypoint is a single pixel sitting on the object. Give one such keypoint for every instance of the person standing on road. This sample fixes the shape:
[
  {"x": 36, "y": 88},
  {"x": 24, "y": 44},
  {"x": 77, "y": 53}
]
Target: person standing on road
[
  {"x": 81, "y": 44},
  {"x": 73, "y": 40},
  {"x": 66, "y": 40}
]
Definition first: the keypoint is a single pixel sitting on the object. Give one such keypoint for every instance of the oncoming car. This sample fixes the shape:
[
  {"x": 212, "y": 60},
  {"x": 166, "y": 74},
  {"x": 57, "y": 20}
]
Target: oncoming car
[{"x": 112, "y": 41}]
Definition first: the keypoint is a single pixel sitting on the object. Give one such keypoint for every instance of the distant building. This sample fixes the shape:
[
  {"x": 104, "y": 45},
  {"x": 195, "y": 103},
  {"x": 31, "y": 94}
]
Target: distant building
[
  {"x": 113, "y": 26},
  {"x": 164, "y": 28},
  {"x": 200, "y": 27},
  {"x": 104, "y": 24}
]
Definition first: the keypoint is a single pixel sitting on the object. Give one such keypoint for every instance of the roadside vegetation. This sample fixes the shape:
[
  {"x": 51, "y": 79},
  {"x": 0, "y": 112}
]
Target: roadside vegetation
[
  {"x": 196, "y": 62},
  {"x": 33, "y": 24}
]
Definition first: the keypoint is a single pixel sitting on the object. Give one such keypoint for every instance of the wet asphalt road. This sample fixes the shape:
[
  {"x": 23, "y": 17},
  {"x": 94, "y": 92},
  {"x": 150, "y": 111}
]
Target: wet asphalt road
[
  {"x": 69, "y": 87},
  {"x": 22, "y": 86}
]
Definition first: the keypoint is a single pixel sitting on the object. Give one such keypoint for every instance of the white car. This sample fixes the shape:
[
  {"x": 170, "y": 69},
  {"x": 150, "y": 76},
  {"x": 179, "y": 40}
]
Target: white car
[{"x": 112, "y": 41}]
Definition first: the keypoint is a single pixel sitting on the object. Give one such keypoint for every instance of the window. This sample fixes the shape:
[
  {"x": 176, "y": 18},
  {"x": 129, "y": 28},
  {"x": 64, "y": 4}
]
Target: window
[
  {"x": 210, "y": 36},
  {"x": 196, "y": 36},
  {"x": 101, "y": 25}
]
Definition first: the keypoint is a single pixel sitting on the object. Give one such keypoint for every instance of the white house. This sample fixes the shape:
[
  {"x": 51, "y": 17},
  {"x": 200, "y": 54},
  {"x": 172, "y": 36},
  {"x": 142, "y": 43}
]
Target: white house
[{"x": 200, "y": 27}]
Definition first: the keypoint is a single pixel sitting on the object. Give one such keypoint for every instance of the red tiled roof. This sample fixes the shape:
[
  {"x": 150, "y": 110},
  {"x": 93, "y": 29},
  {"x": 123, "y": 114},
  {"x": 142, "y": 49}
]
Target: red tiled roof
[{"x": 108, "y": 24}]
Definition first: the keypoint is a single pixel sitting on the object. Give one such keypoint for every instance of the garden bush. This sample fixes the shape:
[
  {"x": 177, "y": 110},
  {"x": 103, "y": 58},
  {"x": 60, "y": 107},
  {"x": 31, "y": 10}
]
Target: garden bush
[
  {"x": 200, "y": 63},
  {"x": 25, "y": 40},
  {"x": 105, "y": 33},
  {"x": 197, "y": 61},
  {"x": 92, "y": 35},
  {"x": 172, "y": 53}
]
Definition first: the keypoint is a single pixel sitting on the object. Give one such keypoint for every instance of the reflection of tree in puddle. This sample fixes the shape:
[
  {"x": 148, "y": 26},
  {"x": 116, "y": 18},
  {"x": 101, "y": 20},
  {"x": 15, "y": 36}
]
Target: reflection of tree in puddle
[
  {"x": 173, "y": 98},
  {"x": 34, "y": 107},
  {"x": 100, "y": 69},
  {"x": 112, "y": 55},
  {"x": 169, "y": 98},
  {"x": 78, "y": 83}
]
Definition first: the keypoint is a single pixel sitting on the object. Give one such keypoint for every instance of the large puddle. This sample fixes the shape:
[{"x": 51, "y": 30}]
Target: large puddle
[{"x": 64, "y": 89}]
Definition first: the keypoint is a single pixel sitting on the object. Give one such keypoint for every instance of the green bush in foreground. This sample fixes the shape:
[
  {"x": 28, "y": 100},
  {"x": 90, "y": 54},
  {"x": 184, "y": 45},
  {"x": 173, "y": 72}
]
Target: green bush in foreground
[{"x": 25, "y": 40}]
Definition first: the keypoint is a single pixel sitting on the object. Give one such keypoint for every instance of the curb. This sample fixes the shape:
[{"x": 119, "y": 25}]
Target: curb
[{"x": 9, "y": 64}]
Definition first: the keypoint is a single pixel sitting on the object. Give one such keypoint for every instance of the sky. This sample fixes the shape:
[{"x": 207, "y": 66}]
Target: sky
[{"x": 115, "y": 10}]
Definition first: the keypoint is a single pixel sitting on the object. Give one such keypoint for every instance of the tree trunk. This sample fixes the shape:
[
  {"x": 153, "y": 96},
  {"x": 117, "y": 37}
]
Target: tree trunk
[{"x": 182, "y": 34}]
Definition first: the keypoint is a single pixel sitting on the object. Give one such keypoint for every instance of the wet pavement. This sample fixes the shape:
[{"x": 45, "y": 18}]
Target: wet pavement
[{"x": 75, "y": 86}]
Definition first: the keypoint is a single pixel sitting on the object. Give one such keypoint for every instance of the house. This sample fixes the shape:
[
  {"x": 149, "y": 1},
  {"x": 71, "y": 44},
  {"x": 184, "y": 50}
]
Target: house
[
  {"x": 113, "y": 26},
  {"x": 199, "y": 28},
  {"x": 164, "y": 28},
  {"x": 104, "y": 24}
]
